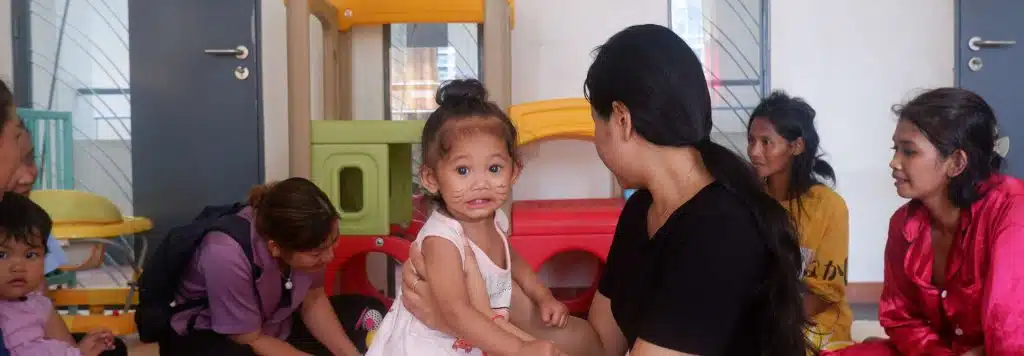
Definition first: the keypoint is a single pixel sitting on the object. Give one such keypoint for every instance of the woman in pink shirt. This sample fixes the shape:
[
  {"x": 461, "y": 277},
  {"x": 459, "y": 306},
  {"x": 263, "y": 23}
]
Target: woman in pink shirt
[
  {"x": 954, "y": 261},
  {"x": 294, "y": 227}
]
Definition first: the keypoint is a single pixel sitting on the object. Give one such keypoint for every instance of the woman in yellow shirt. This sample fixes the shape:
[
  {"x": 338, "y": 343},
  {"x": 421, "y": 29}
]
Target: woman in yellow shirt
[{"x": 783, "y": 147}]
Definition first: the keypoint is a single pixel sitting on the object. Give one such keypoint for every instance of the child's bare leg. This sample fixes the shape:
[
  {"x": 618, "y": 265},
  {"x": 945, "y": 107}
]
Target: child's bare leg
[{"x": 577, "y": 338}]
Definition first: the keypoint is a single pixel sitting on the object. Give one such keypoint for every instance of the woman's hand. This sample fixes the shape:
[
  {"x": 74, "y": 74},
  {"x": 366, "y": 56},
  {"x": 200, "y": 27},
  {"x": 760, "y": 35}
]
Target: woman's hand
[{"x": 416, "y": 294}]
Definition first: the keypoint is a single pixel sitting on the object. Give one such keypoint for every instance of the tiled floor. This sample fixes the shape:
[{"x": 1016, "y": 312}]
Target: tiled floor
[{"x": 137, "y": 348}]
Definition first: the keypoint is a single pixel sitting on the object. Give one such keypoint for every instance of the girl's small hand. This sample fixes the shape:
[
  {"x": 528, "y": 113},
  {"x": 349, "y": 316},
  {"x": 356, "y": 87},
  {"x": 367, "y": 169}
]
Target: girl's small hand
[
  {"x": 95, "y": 342},
  {"x": 553, "y": 312}
]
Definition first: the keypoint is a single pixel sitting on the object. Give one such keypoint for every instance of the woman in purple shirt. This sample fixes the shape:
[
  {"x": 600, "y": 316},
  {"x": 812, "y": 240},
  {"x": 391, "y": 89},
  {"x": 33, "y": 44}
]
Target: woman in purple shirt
[{"x": 294, "y": 227}]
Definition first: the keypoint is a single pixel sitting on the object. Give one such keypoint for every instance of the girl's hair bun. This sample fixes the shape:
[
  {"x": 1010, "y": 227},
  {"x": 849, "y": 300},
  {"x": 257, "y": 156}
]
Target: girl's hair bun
[{"x": 460, "y": 92}]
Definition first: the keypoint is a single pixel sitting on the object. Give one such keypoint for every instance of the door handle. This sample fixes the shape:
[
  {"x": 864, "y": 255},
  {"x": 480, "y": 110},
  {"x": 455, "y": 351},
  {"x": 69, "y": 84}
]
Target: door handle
[
  {"x": 976, "y": 43},
  {"x": 240, "y": 52}
]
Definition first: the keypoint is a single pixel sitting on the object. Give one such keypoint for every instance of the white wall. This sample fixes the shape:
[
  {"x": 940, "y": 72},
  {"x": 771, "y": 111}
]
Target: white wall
[
  {"x": 550, "y": 60},
  {"x": 6, "y": 57},
  {"x": 853, "y": 60},
  {"x": 274, "y": 57}
]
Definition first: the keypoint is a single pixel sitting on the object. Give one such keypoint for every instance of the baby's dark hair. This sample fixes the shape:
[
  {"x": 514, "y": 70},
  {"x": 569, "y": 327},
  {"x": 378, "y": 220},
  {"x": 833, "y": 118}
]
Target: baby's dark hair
[
  {"x": 23, "y": 221},
  {"x": 463, "y": 109}
]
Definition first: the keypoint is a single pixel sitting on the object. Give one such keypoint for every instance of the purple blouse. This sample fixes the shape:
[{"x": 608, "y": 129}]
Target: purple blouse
[{"x": 220, "y": 270}]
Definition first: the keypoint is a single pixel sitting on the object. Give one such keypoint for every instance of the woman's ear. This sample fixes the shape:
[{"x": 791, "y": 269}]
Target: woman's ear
[
  {"x": 274, "y": 248},
  {"x": 957, "y": 163},
  {"x": 797, "y": 146},
  {"x": 621, "y": 121}
]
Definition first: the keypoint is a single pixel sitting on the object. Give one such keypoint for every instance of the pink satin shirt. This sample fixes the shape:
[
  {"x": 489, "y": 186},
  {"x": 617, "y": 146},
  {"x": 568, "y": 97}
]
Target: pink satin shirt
[{"x": 983, "y": 301}]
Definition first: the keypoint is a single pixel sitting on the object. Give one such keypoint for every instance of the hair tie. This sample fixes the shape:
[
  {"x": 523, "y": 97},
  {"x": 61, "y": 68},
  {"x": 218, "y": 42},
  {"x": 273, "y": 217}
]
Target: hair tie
[{"x": 1002, "y": 146}]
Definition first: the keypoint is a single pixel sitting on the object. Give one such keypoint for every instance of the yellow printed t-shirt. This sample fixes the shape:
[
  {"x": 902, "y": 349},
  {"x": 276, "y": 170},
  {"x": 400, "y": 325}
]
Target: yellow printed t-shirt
[{"x": 823, "y": 224}]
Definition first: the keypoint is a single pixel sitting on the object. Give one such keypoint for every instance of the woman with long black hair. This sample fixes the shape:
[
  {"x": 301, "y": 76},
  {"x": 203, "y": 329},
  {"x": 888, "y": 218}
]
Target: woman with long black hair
[
  {"x": 783, "y": 145},
  {"x": 704, "y": 262}
]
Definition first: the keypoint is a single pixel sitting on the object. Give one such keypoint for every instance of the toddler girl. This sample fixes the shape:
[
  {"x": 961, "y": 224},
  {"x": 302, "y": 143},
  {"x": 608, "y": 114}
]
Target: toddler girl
[
  {"x": 25, "y": 312},
  {"x": 469, "y": 165}
]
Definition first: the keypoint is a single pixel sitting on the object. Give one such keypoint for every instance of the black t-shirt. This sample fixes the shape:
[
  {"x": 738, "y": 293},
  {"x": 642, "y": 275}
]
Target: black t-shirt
[{"x": 693, "y": 287}]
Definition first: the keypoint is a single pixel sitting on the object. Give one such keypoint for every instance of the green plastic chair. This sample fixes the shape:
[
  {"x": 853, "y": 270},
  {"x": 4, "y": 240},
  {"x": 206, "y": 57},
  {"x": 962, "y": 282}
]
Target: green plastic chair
[
  {"x": 64, "y": 279},
  {"x": 52, "y": 138}
]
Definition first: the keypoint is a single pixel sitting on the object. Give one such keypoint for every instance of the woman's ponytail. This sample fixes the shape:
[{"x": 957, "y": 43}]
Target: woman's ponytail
[
  {"x": 824, "y": 170},
  {"x": 782, "y": 285},
  {"x": 257, "y": 194},
  {"x": 728, "y": 168}
]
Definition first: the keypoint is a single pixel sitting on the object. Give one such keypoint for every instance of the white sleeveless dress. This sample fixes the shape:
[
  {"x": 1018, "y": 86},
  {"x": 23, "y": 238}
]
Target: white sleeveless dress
[{"x": 401, "y": 334}]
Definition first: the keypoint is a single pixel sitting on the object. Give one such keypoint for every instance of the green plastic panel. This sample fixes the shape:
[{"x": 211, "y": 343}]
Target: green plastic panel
[
  {"x": 400, "y": 194},
  {"x": 356, "y": 178},
  {"x": 365, "y": 131},
  {"x": 52, "y": 139}
]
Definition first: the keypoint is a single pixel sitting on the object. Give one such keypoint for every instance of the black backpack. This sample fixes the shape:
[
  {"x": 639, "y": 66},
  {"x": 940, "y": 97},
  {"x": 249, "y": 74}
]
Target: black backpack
[{"x": 162, "y": 274}]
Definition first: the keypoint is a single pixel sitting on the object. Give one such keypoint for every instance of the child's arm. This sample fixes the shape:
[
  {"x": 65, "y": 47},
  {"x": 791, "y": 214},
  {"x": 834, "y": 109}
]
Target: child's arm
[
  {"x": 553, "y": 312},
  {"x": 478, "y": 297},
  {"x": 512, "y": 329},
  {"x": 442, "y": 258},
  {"x": 55, "y": 329},
  {"x": 527, "y": 279},
  {"x": 319, "y": 317}
]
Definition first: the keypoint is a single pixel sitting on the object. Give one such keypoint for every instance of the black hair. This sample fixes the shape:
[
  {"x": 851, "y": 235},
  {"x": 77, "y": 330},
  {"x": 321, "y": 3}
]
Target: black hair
[
  {"x": 957, "y": 119},
  {"x": 6, "y": 103},
  {"x": 458, "y": 101},
  {"x": 793, "y": 119},
  {"x": 659, "y": 79},
  {"x": 23, "y": 221},
  {"x": 294, "y": 213}
]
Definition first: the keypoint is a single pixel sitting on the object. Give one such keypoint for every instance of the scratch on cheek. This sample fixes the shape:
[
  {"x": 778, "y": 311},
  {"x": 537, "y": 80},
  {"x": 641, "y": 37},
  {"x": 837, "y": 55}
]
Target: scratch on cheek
[
  {"x": 502, "y": 190},
  {"x": 458, "y": 194}
]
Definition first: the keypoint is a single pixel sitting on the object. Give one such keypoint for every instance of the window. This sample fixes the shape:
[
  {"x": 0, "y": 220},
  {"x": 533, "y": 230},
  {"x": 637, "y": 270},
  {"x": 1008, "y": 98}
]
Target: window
[
  {"x": 73, "y": 56},
  {"x": 729, "y": 37},
  {"x": 421, "y": 57}
]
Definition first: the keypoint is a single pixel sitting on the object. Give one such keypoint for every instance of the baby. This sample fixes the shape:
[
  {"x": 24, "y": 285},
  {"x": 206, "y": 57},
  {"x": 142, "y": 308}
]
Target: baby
[{"x": 25, "y": 312}]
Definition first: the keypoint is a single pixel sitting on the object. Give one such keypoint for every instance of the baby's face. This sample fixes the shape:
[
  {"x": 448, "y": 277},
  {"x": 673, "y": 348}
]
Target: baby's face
[
  {"x": 21, "y": 268},
  {"x": 476, "y": 177}
]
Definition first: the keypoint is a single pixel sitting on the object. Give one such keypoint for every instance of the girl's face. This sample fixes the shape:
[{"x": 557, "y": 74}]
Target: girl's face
[
  {"x": 10, "y": 148},
  {"x": 919, "y": 170},
  {"x": 475, "y": 178},
  {"x": 769, "y": 152},
  {"x": 21, "y": 268}
]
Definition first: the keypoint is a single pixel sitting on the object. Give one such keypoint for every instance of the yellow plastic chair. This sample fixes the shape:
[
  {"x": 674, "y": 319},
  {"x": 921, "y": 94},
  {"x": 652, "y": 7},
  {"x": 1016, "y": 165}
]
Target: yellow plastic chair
[{"x": 83, "y": 217}]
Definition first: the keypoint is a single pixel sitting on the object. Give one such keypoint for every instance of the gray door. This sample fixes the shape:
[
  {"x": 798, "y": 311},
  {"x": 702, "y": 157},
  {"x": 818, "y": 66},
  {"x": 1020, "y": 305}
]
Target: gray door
[
  {"x": 990, "y": 62},
  {"x": 196, "y": 126}
]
